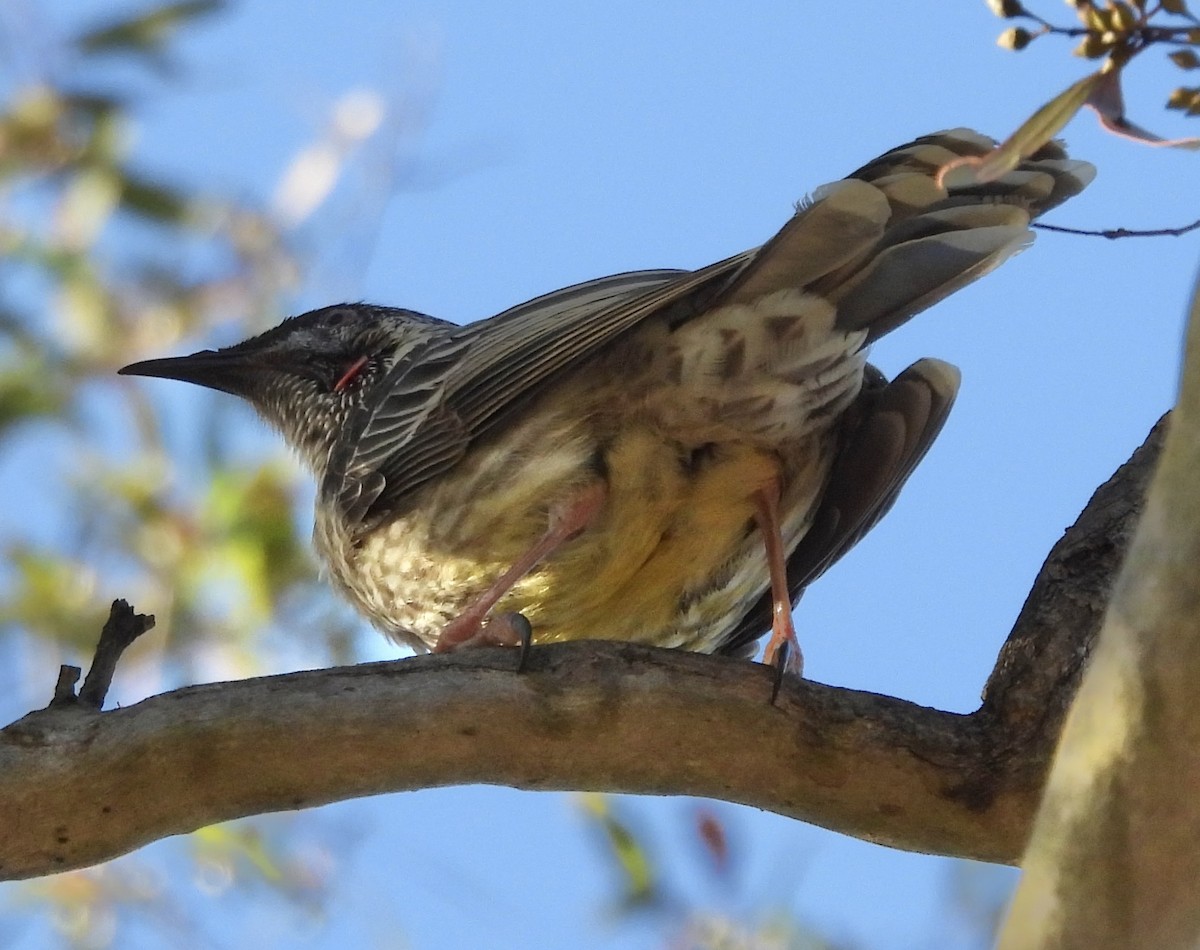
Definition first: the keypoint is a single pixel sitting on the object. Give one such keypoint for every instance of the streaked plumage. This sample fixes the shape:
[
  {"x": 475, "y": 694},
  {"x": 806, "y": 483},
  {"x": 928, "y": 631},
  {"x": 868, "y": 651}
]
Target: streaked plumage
[{"x": 441, "y": 451}]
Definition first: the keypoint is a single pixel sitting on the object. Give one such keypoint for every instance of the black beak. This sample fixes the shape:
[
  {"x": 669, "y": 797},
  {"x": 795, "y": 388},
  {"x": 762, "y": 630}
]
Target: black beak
[{"x": 230, "y": 372}]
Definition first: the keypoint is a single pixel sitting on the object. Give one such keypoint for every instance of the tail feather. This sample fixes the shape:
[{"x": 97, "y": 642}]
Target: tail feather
[
  {"x": 840, "y": 225},
  {"x": 910, "y": 276},
  {"x": 896, "y": 237},
  {"x": 926, "y": 156}
]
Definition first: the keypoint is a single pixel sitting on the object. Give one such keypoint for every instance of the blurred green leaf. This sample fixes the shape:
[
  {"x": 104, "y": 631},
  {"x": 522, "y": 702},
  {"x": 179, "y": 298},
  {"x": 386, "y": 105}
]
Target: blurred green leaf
[
  {"x": 31, "y": 137},
  {"x": 231, "y": 843},
  {"x": 28, "y": 390},
  {"x": 248, "y": 515},
  {"x": 144, "y": 33},
  {"x": 87, "y": 203},
  {"x": 629, "y": 855},
  {"x": 1037, "y": 130},
  {"x": 154, "y": 201},
  {"x": 54, "y": 597},
  {"x": 92, "y": 104}
]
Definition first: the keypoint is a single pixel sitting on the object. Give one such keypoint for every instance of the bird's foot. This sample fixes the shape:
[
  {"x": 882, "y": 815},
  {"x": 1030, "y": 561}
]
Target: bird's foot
[
  {"x": 468, "y": 631},
  {"x": 473, "y": 627},
  {"x": 783, "y": 653},
  {"x": 784, "y": 657},
  {"x": 783, "y": 649}
]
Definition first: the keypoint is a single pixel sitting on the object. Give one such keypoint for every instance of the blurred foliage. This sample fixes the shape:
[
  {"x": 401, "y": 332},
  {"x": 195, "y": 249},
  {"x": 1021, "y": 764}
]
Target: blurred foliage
[
  {"x": 1115, "y": 32},
  {"x": 102, "y": 906},
  {"x": 103, "y": 262},
  {"x": 712, "y": 905},
  {"x": 636, "y": 872},
  {"x": 144, "y": 34},
  {"x": 727, "y": 915}
]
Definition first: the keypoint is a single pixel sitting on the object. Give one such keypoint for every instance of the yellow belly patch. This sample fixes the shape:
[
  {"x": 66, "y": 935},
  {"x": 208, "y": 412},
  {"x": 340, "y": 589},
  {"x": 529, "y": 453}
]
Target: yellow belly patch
[{"x": 666, "y": 530}]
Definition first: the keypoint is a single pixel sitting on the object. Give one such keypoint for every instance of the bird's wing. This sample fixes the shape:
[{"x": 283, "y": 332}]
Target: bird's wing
[
  {"x": 452, "y": 383},
  {"x": 451, "y": 388},
  {"x": 880, "y": 246},
  {"x": 888, "y": 431}
]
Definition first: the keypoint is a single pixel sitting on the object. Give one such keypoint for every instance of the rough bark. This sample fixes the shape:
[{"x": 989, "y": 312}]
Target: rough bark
[
  {"x": 79, "y": 786},
  {"x": 1116, "y": 852}
]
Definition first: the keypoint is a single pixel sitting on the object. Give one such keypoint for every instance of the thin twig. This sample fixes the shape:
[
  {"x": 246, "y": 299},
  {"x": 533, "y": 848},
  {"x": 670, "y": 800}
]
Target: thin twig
[
  {"x": 64, "y": 689},
  {"x": 1113, "y": 233},
  {"x": 122, "y": 628}
]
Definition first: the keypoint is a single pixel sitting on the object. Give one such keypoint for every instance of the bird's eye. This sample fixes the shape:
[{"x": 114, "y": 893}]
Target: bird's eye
[{"x": 352, "y": 372}]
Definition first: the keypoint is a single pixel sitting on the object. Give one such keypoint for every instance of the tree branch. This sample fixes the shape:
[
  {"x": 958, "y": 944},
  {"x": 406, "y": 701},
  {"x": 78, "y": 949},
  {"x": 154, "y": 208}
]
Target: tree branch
[
  {"x": 1114, "y": 858},
  {"x": 79, "y": 786},
  {"x": 121, "y": 629}
]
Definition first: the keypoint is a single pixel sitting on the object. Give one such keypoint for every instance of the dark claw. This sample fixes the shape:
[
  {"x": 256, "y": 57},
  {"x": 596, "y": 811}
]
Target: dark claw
[
  {"x": 525, "y": 629},
  {"x": 780, "y": 665}
]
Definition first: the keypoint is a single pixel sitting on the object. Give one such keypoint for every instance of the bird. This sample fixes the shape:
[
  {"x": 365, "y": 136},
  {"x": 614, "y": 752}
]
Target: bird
[{"x": 669, "y": 457}]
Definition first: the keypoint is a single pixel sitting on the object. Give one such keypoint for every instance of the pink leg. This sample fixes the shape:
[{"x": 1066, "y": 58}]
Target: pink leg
[
  {"x": 783, "y": 630},
  {"x": 472, "y": 627}
]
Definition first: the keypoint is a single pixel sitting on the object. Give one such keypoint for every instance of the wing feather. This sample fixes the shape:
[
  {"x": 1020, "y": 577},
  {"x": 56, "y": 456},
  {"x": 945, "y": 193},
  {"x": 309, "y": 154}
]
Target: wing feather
[
  {"x": 449, "y": 387},
  {"x": 881, "y": 245},
  {"x": 896, "y": 424}
]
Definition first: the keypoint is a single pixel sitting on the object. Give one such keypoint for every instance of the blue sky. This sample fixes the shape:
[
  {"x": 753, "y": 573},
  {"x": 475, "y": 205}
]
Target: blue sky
[{"x": 546, "y": 143}]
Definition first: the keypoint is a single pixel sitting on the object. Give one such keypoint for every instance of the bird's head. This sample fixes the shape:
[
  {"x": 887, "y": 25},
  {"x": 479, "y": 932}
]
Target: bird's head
[{"x": 306, "y": 375}]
